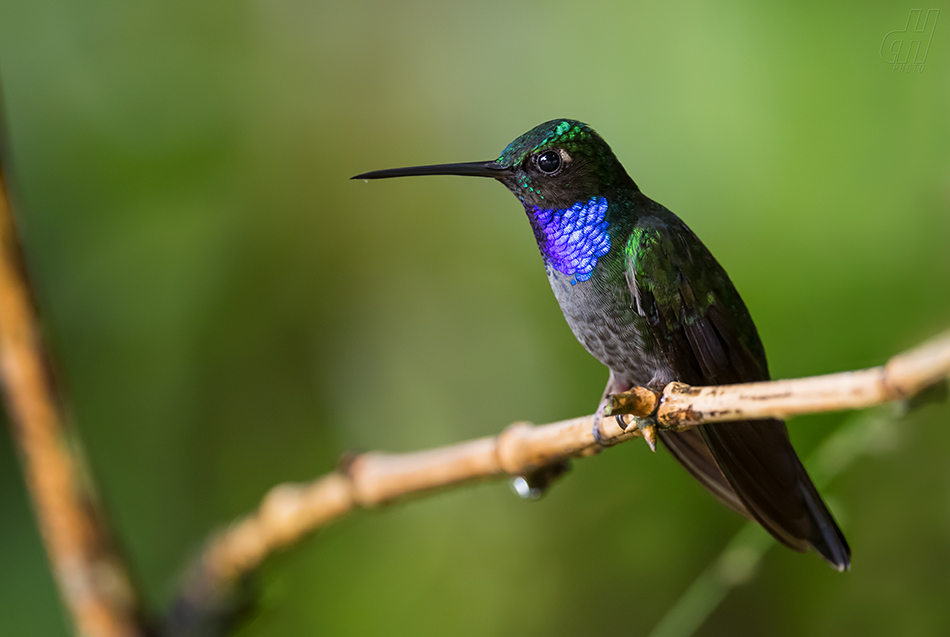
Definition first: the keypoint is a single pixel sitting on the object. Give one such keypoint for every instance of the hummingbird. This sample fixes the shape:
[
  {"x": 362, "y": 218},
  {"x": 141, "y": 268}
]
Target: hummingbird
[{"x": 645, "y": 297}]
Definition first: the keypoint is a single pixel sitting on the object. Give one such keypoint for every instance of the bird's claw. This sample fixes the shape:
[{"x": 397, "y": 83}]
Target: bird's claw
[
  {"x": 648, "y": 429},
  {"x": 600, "y": 437},
  {"x": 646, "y": 426}
]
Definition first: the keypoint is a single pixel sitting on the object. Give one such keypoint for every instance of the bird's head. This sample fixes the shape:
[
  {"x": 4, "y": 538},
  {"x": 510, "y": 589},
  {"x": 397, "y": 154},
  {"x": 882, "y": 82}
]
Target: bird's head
[{"x": 553, "y": 165}]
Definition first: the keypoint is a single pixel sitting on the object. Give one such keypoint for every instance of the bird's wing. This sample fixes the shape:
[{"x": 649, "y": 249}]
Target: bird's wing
[{"x": 701, "y": 325}]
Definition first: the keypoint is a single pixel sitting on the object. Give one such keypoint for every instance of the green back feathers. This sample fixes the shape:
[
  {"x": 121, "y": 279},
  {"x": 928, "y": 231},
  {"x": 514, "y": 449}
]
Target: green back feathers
[{"x": 686, "y": 297}]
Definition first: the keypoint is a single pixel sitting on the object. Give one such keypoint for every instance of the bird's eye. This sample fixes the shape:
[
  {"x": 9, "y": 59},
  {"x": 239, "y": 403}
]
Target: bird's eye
[{"x": 549, "y": 162}]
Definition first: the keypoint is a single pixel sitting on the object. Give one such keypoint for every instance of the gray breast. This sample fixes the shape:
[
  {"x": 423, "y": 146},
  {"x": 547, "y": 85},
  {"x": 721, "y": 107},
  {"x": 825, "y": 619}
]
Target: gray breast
[{"x": 605, "y": 322}]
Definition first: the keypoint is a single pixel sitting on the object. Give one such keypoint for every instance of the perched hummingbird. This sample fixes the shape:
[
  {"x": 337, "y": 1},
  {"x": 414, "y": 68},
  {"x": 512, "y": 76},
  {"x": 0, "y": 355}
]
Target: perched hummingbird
[{"x": 645, "y": 297}]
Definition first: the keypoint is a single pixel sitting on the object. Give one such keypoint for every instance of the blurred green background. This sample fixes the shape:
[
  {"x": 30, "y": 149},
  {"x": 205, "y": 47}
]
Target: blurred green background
[{"x": 228, "y": 311}]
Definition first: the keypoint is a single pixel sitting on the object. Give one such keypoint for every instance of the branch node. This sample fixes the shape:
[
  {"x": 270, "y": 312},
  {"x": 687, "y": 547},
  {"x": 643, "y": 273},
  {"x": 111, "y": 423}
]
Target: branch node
[
  {"x": 508, "y": 448},
  {"x": 346, "y": 460},
  {"x": 676, "y": 409},
  {"x": 359, "y": 482}
]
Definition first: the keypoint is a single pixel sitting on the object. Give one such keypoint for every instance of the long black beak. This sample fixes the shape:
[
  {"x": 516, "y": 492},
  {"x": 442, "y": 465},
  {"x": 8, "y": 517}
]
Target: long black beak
[{"x": 474, "y": 169}]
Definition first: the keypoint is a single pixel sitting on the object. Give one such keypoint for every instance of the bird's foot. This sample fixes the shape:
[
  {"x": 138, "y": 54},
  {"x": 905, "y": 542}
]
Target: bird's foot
[
  {"x": 646, "y": 426},
  {"x": 533, "y": 485},
  {"x": 624, "y": 406},
  {"x": 604, "y": 438}
]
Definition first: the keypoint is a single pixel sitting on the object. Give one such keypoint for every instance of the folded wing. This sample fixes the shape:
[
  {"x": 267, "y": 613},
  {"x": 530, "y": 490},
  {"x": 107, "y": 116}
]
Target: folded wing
[{"x": 702, "y": 326}]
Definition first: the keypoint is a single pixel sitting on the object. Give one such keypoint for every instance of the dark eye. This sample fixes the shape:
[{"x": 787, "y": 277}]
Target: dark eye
[{"x": 549, "y": 162}]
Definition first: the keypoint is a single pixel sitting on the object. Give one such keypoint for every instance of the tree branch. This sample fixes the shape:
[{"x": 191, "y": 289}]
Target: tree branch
[
  {"x": 902, "y": 377},
  {"x": 91, "y": 575},
  {"x": 289, "y": 512}
]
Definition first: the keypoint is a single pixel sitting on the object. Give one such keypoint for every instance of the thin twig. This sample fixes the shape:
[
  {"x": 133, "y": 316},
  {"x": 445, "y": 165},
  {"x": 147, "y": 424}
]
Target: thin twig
[
  {"x": 903, "y": 376},
  {"x": 291, "y": 511},
  {"x": 91, "y": 575}
]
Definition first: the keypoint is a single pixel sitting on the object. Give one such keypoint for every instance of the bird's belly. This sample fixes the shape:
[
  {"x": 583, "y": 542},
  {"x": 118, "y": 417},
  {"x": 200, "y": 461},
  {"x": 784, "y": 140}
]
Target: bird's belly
[{"x": 611, "y": 330}]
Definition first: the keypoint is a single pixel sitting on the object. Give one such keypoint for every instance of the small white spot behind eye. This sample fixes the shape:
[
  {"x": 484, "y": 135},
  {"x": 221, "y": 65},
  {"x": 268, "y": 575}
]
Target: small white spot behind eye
[{"x": 564, "y": 156}]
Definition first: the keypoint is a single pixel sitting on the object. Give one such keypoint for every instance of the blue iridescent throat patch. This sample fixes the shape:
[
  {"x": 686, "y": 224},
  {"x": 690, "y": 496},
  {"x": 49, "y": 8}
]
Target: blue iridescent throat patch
[{"x": 572, "y": 240}]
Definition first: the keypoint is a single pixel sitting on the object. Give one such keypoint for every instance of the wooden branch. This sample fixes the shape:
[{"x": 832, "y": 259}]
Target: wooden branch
[
  {"x": 289, "y": 512},
  {"x": 902, "y": 377},
  {"x": 91, "y": 574}
]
